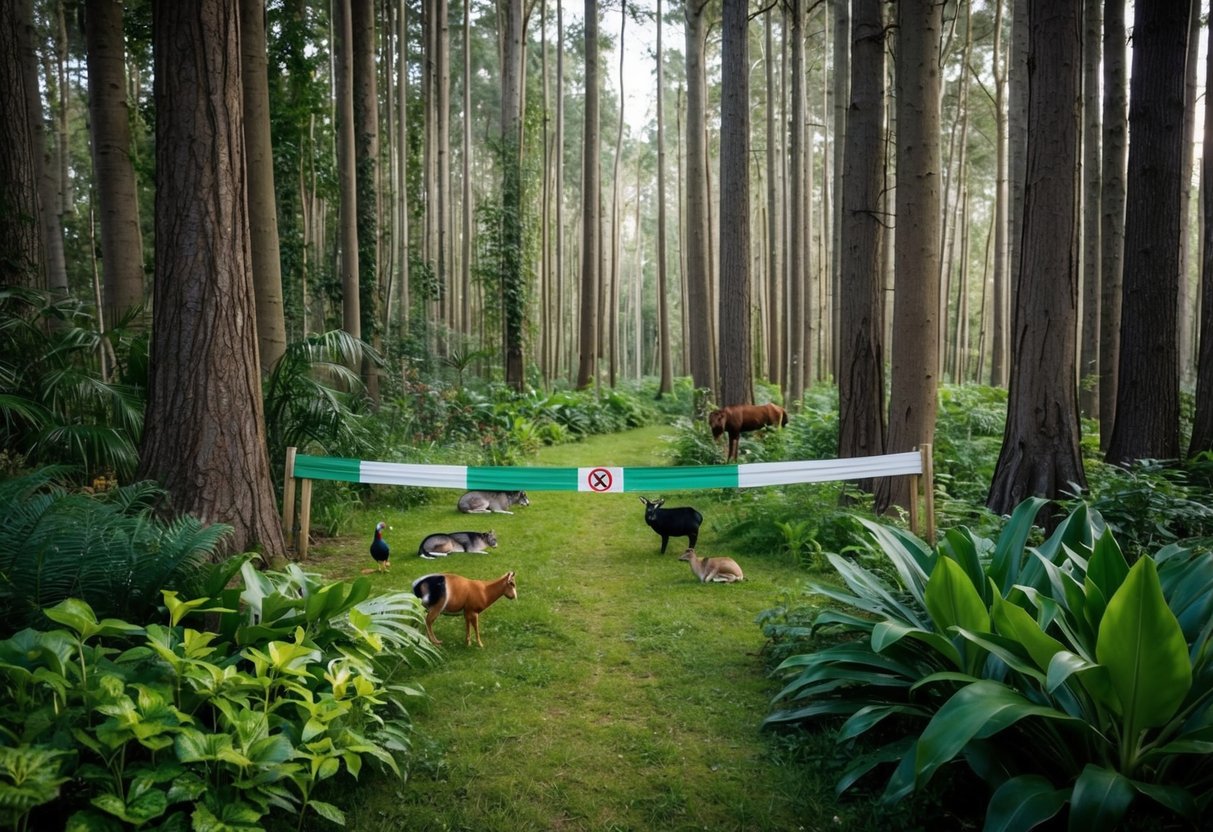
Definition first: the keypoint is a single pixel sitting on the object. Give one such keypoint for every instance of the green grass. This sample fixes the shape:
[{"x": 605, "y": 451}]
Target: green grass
[{"x": 616, "y": 693}]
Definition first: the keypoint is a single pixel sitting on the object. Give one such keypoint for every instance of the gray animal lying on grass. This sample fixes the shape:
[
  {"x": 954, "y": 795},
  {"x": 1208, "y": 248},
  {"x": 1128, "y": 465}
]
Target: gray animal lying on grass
[
  {"x": 442, "y": 544},
  {"x": 497, "y": 502}
]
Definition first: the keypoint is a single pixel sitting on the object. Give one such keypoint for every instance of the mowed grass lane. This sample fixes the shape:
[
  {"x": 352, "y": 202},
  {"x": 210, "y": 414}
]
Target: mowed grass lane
[{"x": 616, "y": 693}]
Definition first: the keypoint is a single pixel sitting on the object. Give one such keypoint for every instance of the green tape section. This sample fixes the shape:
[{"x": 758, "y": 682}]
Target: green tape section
[
  {"x": 676, "y": 479},
  {"x": 327, "y": 468},
  {"x": 520, "y": 479}
]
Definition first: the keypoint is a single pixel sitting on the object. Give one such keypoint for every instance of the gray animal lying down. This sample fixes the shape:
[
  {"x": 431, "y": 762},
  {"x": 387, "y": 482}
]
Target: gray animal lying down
[
  {"x": 499, "y": 502},
  {"x": 442, "y": 544}
]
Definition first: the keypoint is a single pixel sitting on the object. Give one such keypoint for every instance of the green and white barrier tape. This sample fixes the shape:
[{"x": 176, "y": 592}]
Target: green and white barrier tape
[{"x": 606, "y": 479}]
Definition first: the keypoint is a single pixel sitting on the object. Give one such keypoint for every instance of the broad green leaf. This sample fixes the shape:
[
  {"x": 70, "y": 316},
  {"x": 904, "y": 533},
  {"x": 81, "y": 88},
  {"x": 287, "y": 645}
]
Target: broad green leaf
[
  {"x": 977, "y": 711},
  {"x": 327, "y": 811},
  {"x": 138, "y": 811},
  {"x": 1014, "y": 622},
  {"x": 1143, "y": 647},
  {"x": 887, "y": 633},
  {"x": 1022, "y": 803},
  {"x": 1093, "y": 677},
  {"x": 1107, "y": 568},
  {"x": 1176, "y": 798},
  {"x": 1100, "y": 798},
  {"x": 952, "y": 600},
  {"x": 1009, "y": 552}
]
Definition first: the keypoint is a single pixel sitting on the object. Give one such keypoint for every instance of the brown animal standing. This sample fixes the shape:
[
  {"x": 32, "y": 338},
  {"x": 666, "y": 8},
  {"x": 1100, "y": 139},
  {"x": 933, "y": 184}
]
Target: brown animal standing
[
  {"x": 737, "y": 419},
  {"x": 718, "y": 570},
  {"x": 446, "y": 592}
]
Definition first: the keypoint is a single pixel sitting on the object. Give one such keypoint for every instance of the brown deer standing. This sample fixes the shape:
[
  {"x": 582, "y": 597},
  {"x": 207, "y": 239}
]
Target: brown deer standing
[
  {"x": 737, "y": 419},
  {"x": 446, "y": 592}
]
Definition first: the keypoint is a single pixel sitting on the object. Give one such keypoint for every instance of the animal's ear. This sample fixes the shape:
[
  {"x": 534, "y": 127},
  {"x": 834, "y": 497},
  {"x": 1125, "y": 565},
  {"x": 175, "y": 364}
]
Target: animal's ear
[
  {"x": 644, "y": 500},
  {"x": 659, "y": 503}
]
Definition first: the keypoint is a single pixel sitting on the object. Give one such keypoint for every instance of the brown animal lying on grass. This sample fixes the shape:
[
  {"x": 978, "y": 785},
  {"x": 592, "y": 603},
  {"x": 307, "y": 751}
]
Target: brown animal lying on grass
[
  {"x": 716, "y": 570},
  {"x": 737, "y": 419},
  {"x": 446, "y": 592}
]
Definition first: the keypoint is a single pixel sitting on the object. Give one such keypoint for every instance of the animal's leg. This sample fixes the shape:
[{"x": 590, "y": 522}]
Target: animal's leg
[
  {"x": 734, "y": 441},
  {"x": 480, "y": 511},
  {"x": 501, "y": 511},
  {"x": 664, "y": 540},
  {"x": 711, "y": 574},
  {"x": 430, "y": 616},
  {"x": 691, "y": 538}
]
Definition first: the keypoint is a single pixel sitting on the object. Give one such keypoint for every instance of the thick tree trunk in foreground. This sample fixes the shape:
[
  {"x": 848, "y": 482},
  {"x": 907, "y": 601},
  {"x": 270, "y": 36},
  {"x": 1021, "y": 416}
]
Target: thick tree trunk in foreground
[
  {"x": 204, "y": 434},
  {"x": 22, "y": 256},
  {"x": 1040, "y": 455}
]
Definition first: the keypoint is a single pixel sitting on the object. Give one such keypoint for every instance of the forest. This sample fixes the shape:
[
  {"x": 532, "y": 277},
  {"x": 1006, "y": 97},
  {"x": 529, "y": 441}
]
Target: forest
[{"x": 464, "y": 233}]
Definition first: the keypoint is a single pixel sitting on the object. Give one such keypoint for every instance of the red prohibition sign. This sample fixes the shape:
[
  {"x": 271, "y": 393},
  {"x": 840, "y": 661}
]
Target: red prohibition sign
[{"x": 600, "y": 479}]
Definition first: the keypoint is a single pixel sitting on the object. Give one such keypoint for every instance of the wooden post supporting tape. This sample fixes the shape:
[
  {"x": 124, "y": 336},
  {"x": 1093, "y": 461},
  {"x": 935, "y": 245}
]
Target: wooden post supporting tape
[
  {"x": 928, "y": 488},
  {"x": 288, "y": 497}
]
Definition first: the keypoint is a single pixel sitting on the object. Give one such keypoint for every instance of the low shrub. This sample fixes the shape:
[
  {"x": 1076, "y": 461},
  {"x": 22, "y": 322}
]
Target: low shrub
[
  {"x": 106, "y": 725},
  {"x": 1058, "y": 673}
]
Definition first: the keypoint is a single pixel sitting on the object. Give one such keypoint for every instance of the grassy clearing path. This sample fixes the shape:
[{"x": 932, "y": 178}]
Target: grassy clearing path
[{"x": 616, "y": 693}]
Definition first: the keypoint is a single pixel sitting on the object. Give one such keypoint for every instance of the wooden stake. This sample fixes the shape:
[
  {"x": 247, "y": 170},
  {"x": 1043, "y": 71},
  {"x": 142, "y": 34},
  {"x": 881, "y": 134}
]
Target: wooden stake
[
  {"x": 288, "y": 497},
  {"x": 928, "y": 487}
]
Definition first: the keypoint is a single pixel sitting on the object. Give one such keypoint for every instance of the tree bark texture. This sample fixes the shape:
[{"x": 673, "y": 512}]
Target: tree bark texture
[
  {"x": 1040, "y": 454},
  {"x": 666, "y": 384},
  {"x": 915, "y": 358},
  {"x": 513, "y": 289},
  {"x": 590, "y": 186},
  {"x": 366, "y": 166},
  {"x": 22, "y": 255},
  {"x": 797, "y": 245},
  {"x": 736, "y": 379},
  {"x": 347, "y": 168},
  {"x": 204, "y": 437},
  {"x": 1202, "y": 421},
  {"x": 698, "y": 238},
  {"x": 774, "y": 164},
  {"x": 1112, "y": 210},
  {"x": 1147, "y": 397},
  {"x": 262, "y": 207},
  {"x": 861, "y": 359},
  {"x": 1088, "y": 362}
]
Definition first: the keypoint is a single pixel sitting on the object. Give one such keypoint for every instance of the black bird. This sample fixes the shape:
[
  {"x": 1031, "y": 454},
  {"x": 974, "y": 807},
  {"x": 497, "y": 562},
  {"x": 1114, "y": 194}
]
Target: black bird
[{"x": 379, "y": 548}]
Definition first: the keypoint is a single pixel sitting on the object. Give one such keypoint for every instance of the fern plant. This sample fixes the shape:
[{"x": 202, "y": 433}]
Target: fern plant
[{"x": 108, "y": 549}]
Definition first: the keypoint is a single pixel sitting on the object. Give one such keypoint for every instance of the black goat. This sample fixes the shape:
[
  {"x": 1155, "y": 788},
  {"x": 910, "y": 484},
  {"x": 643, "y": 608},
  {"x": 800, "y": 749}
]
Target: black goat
[{"x": 672, "y": 522}]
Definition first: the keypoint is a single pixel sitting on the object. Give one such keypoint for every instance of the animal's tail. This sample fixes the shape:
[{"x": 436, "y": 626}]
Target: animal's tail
[{"x": 430, "y": 589}]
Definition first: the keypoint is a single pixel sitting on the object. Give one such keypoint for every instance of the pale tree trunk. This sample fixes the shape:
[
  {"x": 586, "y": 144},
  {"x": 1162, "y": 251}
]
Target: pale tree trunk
[
  {"x": 915, "y": 356},
  {"x": 1147, "y": 399},
  {"x": 666, "y": 384},
  {"x": 1202, "y": 421},
  {"x": 861, "y": 323},
  {"x": 616, "y": 218},
  {"x": 1040, "y": 454},
  {"x": 1088, "y": 360},
  {"x": 546, "y": 321},
  {"x": 1112, "y": 210},
  {"x": 560, "y": 230},
  {"x": 736, "y": 380},
  {"x": 998, "y": 291},
  {"x": 402, "y": 149},
  {"x": 22, "y": 253},
  {"x": 797, "y": 244},
  {"x": 347, "y": 169},
  {"x": 366, "y": 164},
  {"x": 259, "y": 159},
  {"x": 587, "y": 367},
  {"x": 1185, "y": 315},
  {"x": 774, "y": 156},
  {"x": 442, "y": 137},
  {"x": 698, "y": 237},
  {"x": 204, "y": 433},
  {"x": 465, "y": 268},
  {"x": 121, "y": 244}
]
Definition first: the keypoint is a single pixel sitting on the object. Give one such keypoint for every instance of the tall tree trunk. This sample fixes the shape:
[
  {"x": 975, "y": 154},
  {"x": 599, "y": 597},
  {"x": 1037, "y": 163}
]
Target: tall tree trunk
[
  {"x": 442, "y": 137},
  {"x": 616, "y": 217},
  {"x": 666, "y": 384},
  {"x": 1017, "y": 149},
  {"x": 736, "y": 366},
  {"x": 798, "y": 201},
  {"x": 204, "y": 434},
  {"x": 861, "y": 362},
  {"x": 1112, "y": 210},
  {"x": 1040, "y": 454},
  {"x": 774, "y": 156},
  {"x": 842, "y": 66},
  {"x": 1147, "y": 398},
  {"x": 402, "y": 150},
  {"x": 1185, "y": 315},
  {"x": 998, "y": 291},
  {"x": 49, "y": 148},
  {"x": 698, "y": 237},
  {"x": 121, "y": 243},
  {"x": 587, "y": 367},
  {"x": 347, "y": 168},
  {"x": 1088, "y": 361},
  {"x": 560, "y": 230},
  {"x": 366, "y": 164},
  {"x": 263, "y": 214},
  {"x": 1202, "y": 421},
  {"x": 915, "y": 358},
  {"x": 513, "y": 290},
  {"x": 22, "y": 253}
]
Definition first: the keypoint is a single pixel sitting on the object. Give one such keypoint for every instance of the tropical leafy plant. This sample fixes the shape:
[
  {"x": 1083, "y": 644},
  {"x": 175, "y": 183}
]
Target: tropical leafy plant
[
  {"x": 109, "y": 549},
  {"x": 55, "y": 407},
  {"x": 172, "y": 727},
  {"x": 1057, "y": 672}
]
